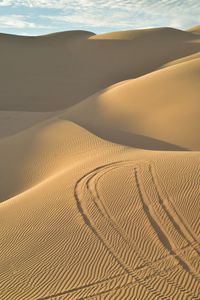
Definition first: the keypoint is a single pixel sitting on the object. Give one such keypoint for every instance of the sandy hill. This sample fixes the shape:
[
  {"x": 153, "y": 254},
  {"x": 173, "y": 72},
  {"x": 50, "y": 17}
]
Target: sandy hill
[
  {"x": 55, "y": 71},
  {"x": 163, "y": 105},
  {"x": 90, "y": 207},
  {"x": 43, "y": 151},
  {"x": 183, "y": 59},
  {"x": 194, "y": 29},
  {"x": 162, "y": 33}
]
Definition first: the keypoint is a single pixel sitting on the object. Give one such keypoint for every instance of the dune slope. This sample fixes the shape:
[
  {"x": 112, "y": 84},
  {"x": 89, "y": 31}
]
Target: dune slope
[
  {"x": 52, "y": 72},
  {"x": 109, "y": 224},
  {"x": 161, "y": 106},
  {"x": 194, "y": 29}
]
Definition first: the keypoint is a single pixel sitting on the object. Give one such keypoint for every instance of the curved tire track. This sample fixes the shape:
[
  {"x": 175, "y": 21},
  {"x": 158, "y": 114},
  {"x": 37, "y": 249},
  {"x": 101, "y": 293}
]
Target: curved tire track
[{"x": 102, "y": 223}]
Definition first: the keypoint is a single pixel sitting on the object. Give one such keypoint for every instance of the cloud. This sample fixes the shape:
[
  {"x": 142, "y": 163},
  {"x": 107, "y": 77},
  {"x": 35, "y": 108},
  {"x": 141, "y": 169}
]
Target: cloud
[
  {"x": 19, "y": 22},
  {"x": 35, "y": 3},
  {"x": 105, "y": 14},
  {"x": 6, "y": 3},
  {"x": 127, "y": 13},
  {"x": 91, "y": 20},
  {"x": 159, "y": 5},
  {"x": 15, "y": 21}
]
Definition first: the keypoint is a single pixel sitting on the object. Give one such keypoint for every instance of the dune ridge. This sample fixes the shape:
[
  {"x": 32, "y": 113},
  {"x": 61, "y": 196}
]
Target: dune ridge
[
  {"x": 194, "y": 29},
  {"x": 128, "y": 109},
  {"x": 100, "y": 165},
  {"x": 77, "y": 64}
]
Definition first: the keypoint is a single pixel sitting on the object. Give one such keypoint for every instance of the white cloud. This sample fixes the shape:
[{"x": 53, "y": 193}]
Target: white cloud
[
  {"x": 6, "y": 2},
  {"x": 112, "y": 13},
  {"x": 90, "y": 20},
  {"x": 159, "y": 5},
  {"x": 128, "y": 13},
  {"x": 15, "y": 21},
  {"x": 35, "y": 3},
  {"x": 19, "y": 21}
]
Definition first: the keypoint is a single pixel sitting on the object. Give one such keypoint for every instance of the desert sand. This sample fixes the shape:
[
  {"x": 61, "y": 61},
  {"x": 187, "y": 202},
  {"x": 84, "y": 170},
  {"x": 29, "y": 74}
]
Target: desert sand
[{"x": 100, "y": 165}]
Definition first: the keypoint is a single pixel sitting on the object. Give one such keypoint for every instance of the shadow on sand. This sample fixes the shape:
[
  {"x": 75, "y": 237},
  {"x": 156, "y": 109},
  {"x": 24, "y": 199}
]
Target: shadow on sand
[{"x": 130, "y": 139}]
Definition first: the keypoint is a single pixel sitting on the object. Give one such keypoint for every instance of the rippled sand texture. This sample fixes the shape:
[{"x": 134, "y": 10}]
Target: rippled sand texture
[{"x": 100, "y": 193}]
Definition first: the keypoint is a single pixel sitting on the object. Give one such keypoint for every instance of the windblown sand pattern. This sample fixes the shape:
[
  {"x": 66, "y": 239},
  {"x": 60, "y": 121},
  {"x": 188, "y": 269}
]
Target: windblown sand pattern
[{"x": 100, "y": 192}]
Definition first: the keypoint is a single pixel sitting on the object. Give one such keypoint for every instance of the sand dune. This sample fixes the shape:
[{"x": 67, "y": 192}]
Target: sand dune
[
  {"x": 55, "y": 71},
  {"x": 151, "y": 34},
  {"x": 41, "y": 151},
  {"x": 127, "y": 114},
  {"x": 91, "y": 208},
  {"x": 194, "y": 29},
  {"x": 181, "y": 60},
  {"x": 87, "y": 231}
]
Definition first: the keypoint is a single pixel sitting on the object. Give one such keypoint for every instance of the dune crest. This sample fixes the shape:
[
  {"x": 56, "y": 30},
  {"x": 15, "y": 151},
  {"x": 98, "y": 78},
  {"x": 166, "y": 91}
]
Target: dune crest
[
  {"x": 151, "y": 33},
  {"x": 144, "y": 106},
  {"x": 53, "y": 72},
  {"x": 194, "y": 29}
]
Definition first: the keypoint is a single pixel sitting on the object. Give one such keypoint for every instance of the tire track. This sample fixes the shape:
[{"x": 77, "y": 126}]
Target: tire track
[
  {"x": 163, "y": 234},
  {"x": 172, "y": 227},
  {"x": 157, "y": 229},
  {"x": 88, "y": 222},
  {"x": 87, "y": 218},
  {"x": 188, "y": 235},
  {"x": 91, "y": 177},
  {"x": 150, "y": 275}
]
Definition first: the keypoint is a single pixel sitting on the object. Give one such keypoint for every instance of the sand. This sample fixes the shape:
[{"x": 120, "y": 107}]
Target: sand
[
  {"x": 194, "y": 29},
  {"x": 100, "y": 165}
]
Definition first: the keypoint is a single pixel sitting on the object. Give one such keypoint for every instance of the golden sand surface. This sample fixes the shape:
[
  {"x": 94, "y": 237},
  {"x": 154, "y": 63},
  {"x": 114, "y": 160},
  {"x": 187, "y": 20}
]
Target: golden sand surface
[{"x": 100, "y": 165}]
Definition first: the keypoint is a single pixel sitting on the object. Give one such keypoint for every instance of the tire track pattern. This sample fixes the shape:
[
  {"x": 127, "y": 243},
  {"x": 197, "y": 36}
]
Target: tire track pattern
[{"x": 173, "y": 276}]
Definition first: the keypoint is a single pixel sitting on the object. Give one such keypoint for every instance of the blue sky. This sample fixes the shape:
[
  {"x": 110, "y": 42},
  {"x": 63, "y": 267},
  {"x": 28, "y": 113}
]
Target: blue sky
[{"x": 35, "y": 17}]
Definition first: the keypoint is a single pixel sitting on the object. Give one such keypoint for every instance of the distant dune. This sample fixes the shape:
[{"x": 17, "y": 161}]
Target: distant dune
[
  {"x": 194, "y": 29},
  {"x": 53, "y": 72},
  {"x": 100, "y": 165}
]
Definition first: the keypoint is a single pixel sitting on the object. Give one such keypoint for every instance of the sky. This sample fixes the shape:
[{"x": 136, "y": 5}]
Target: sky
[{"x": 36, "y": 17}]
